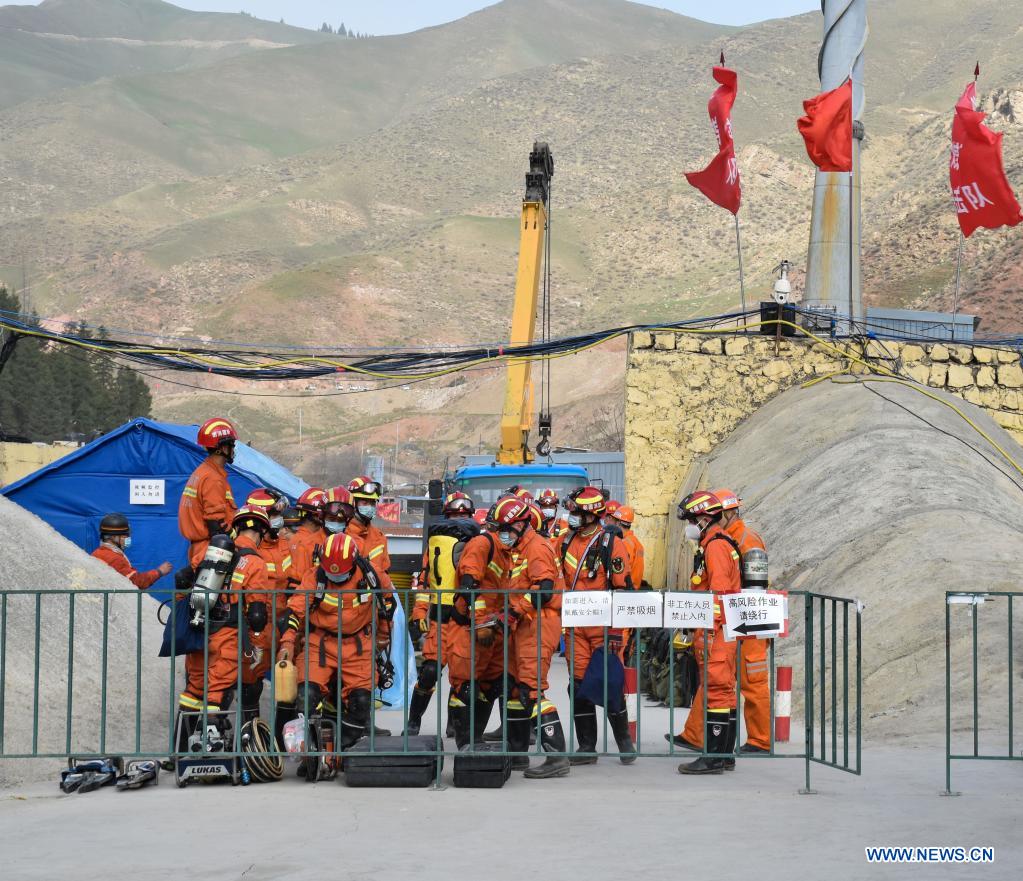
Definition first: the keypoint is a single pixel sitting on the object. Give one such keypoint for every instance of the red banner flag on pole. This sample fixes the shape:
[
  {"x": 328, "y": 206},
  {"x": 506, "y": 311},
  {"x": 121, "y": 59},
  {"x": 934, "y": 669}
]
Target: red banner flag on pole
[
  {"x": 980, "y": 189},
  {"x": 827, "y": 128},
  {"x": 719, "y": 181}
]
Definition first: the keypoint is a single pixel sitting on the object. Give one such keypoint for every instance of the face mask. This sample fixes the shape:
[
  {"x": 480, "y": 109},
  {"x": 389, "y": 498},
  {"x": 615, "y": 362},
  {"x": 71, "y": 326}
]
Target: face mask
[
  {"x": 692, "y": 532},
  {"x": 574, "y": 521},
  {"x": 127, "y": 543},
  {"x": 507, "y": 538},
  {"x": 339, "y": 579},
  {"x": 367, "y": 511},
  {"x": 276, "y": 523},
  {"x": 548, "y": 513},
  {"x": 334, "y": 526}
]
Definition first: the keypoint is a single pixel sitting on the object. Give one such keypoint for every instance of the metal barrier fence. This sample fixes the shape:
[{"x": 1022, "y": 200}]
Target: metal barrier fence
[
  {"x": 974, "y": 601},
  {"x": 831, "y": 678}
]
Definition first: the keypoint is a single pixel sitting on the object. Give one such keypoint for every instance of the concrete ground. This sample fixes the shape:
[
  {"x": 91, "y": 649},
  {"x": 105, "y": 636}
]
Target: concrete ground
[{"x": 602, "y": 821}]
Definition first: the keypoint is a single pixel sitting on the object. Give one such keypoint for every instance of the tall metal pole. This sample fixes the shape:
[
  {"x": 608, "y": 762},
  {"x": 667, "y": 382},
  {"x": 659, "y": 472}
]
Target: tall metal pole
[
  {"x": 955, "y": 299},
  {"x": 742, "y": 278},
  {"x": 833, "y": 258}
]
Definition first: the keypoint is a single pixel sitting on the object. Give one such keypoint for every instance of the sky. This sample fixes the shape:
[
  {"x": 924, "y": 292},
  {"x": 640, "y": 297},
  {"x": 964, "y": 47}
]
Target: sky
[{"x": 400, "y": 16}]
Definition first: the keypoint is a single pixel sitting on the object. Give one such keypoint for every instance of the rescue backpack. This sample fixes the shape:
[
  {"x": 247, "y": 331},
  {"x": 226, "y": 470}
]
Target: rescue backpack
[{"x": 445, "y": 543}]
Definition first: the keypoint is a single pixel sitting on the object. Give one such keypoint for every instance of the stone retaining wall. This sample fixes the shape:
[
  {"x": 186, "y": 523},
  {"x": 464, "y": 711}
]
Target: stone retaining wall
[{"x": 686, "y": 392}]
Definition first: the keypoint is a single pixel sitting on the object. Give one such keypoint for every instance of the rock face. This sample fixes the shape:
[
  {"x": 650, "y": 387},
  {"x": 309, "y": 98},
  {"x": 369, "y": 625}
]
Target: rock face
[
  {"x": 686, "y": 393},
  {"x": 857, "y": 495},
  {"x": 34, "y": 557}
]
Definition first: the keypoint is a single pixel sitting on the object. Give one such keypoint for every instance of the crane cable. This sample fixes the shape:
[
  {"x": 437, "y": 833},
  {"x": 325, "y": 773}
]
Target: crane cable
[{"x": 543, "y": 447}]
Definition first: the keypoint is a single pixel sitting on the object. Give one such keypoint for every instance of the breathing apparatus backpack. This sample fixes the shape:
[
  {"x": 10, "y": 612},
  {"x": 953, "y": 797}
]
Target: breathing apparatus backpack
[{"x": 445, "y": 542}]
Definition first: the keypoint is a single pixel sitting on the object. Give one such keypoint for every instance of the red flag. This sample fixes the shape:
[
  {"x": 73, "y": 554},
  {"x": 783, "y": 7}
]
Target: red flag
[
  {"x": 980, "y": 190},
  {"x": 827, "y": 128},
  {"x": 719, "y": 181},
  {"x": 389, "y": 511}
]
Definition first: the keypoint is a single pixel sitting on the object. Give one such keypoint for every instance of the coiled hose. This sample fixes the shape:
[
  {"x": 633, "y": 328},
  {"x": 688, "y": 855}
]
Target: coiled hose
[{"x": 262, "y": 759}]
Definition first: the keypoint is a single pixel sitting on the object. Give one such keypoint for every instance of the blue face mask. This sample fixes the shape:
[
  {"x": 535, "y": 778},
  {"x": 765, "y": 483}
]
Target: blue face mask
[
  {"x": 127, "y": 542},
  {"x": 334, "y": 526}
]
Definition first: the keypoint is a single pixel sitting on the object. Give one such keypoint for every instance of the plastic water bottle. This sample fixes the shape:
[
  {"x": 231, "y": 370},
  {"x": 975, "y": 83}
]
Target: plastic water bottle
[{"x": 295, "y": 735}]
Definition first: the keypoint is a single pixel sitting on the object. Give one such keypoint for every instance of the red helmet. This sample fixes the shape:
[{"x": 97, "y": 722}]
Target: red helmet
[
  {"x": 215, "y": 432},
  {"x": 700, "y": 502},
  {"x": 729, "y": 500},
  {"x": 547, "y": 498},
  {"x": 624, "y": 514},
  {"x": 611, "y": 506},
  {"x": 268, "y": 499},
  {"x": 338, "y": 503},
  {"x": 480, "y": 516},
  {"x": 536, "y": 515},
  {"x": 458, "y": 504},
  {"x": 520, "y": 492},
  {"x": 508, "y": 510},
  {"x": 338, "y": 558},
  {"x": 251, "y": 517},
  {"x": 587, "y": 499},
  {"x": 312, "y": 502},
  {"x": 365, "y": 488}
]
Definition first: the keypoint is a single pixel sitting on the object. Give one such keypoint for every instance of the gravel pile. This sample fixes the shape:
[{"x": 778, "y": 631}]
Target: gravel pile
[{"x": 35, "y": 557}]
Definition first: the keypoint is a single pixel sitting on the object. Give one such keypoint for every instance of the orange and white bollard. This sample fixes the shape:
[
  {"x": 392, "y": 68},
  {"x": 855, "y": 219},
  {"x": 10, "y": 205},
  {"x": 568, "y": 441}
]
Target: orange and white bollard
[
  {"x": 631, "y": 700},
  {"x": 782, "y": 704}
]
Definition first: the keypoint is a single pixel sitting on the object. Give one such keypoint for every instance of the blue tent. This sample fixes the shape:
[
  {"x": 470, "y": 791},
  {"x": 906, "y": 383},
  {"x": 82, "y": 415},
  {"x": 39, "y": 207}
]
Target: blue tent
[{"x": 140, "y": 469}]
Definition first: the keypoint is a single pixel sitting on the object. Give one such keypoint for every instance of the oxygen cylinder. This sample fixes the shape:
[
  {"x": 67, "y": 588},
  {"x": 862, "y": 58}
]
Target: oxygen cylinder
[
  {"x": 754, "y": 569},
  {"x": 285, "y": 683},
  {"x": 210, "y": 576}
]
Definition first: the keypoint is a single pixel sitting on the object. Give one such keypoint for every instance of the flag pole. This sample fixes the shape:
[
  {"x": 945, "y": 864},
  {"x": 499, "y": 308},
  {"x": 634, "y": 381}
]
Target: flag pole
[
  {"x": 959, "y": 254},
  {"x": 742, "y": 278}
]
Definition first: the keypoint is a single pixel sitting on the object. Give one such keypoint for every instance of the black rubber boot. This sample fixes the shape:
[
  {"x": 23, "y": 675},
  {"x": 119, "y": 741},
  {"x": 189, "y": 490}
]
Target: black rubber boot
[
  {"x": 518, "y": 733},
  {"x": 584, "y": 713},
  {"x": 459, "y": 717},
  {"x": 482, "y": 710},
  {"x": 416, "y": 708},
  {"x": 284, "y": 714},
  {"x": 552, "y": 738},
  {"x": 733, "y": 730},
  {"x": 620, "y": 728},
  {"x": 716, "y": 737},
  {"x": 355, "y": 719}
]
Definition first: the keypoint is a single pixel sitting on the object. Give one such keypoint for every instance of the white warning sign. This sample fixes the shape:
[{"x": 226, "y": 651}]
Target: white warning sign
[
  {"x": 586, "y": 608},
  {"x": 753, "y": 613},
  {"x": 689, "y": 609},
  {"x": 631, "y": 608}
]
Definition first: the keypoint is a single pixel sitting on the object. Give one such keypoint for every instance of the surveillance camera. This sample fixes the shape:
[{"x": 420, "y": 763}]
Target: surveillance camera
[{"x": 782, "y": 291}]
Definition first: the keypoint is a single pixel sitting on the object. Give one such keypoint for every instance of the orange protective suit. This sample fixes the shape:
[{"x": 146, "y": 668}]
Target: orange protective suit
[
  {"x": 487, "y": 561},
  {"x": 537, "y": 632},
  {"x": 340, "y": 624},
  {"x": 276, "y": 554},
  {"x": 636, "y": 557},
  {"x": 754, "y": 676},
  {"x": 580, "y": 575},
  {"x": 206, "y": 497},
  {"x": 115, "y": 558},
  {"x": 421, "y": 611},
  {"x": 248, "y": 585},
  {"x": 719, "y": 572}
]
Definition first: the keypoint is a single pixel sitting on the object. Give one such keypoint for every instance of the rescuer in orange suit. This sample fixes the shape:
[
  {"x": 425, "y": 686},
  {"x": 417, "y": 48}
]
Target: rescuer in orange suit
[
  {"x": 553, "y": 528},
  {"x": 623, "y": 518},
  {"x": 308, "y": 535},
  {"x": 207, "y": 506},
  {"x": 430, "y": 605},
  {"x": 476, "y": 634},
  {"x": 345, "y": 596},
  {"x": 245, "y": 595},
  {"x": 276, "y": 554},
  {"x": 753, "y": 667},
  {"x": 115, "y": 539},
  {"x": 593, "y": 558},
  {"x": 716, "y": 569},
  {"x": 535, "y": 610}
]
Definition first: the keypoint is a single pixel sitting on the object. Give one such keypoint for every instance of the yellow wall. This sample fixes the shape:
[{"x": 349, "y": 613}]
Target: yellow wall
[{"x": 20, "y": 460}]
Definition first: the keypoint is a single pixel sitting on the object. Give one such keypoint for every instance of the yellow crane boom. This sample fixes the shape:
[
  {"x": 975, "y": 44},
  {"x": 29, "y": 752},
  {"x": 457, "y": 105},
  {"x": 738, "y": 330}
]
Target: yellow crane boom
[{"x": 518, "y": 398}]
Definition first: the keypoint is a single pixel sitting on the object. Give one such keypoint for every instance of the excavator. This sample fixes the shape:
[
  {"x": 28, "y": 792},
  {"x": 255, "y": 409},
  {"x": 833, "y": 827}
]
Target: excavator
[{"x": 515, "y": 462}]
